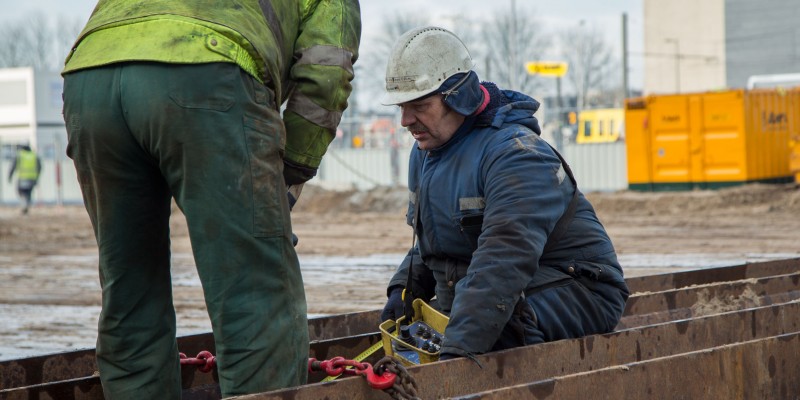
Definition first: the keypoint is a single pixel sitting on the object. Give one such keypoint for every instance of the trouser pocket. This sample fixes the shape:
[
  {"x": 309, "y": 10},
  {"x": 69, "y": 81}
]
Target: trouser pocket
[{"x": 263, "y": 150}]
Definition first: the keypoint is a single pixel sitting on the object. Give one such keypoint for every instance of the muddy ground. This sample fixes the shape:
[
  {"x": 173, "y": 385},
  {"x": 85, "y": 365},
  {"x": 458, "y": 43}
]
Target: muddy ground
[{"x": 350, "y": 242}]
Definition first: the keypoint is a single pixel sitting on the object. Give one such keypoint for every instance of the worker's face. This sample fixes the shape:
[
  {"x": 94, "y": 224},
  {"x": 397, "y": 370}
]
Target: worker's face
[{"x": 431, "y": 122}]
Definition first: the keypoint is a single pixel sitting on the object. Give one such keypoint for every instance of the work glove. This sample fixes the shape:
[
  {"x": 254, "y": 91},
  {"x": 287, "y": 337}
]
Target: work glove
[
  {"x": 394, "y": 306},
  {"x": 295, "y": 174}
]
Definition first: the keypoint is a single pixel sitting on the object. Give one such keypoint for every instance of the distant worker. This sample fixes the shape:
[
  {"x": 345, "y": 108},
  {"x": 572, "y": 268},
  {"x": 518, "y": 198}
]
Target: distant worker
[
  {"x": 28, "y": 166},
  {"x": 509, "y": 247},
  {"x": 182, "y": 99}
]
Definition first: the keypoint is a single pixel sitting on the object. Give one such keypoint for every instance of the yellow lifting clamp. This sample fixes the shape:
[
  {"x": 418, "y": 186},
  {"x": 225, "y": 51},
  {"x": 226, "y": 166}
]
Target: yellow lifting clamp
[{"x": 418, "y": 342}]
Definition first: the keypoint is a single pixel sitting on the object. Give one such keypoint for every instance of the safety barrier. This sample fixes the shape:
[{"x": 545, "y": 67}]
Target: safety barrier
[{"x": 597, "y": 167}]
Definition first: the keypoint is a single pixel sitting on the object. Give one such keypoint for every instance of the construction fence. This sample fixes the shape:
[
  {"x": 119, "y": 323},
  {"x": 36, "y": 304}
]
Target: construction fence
[{"x": 597, "y": 167}]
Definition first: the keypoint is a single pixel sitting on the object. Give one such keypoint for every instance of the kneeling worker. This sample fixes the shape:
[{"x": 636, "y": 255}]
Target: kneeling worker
[{"x": 510, "y": 248}]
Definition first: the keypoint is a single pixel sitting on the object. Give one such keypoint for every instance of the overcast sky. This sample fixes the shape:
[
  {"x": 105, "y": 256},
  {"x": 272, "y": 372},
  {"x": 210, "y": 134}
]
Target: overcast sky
[
  {"x": 556, "y": 15},
  {"x": 567, "y": 9}
]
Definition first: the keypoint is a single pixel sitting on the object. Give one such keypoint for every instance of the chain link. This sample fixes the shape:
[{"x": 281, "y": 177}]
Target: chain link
[
  {"x": 405, "y": 387},
  {"x": 205, "y": 361}
]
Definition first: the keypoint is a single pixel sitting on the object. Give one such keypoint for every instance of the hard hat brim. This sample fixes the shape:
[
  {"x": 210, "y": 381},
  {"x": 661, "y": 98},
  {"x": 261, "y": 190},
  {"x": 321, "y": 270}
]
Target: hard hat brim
[{"x": 400, "y": 97}]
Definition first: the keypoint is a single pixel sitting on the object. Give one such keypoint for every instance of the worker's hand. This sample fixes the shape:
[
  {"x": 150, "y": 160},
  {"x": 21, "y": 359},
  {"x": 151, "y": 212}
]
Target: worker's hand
[
  {"x": 394, "y": 306},
  {"x": 295, "y": 174}
]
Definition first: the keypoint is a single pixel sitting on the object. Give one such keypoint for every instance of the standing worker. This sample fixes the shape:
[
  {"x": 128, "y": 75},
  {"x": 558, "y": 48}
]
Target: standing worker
[
  {"x": 181, "y": 99},
  {"x": 28, "y": 166},
  {"x": 510, "y": 248}
]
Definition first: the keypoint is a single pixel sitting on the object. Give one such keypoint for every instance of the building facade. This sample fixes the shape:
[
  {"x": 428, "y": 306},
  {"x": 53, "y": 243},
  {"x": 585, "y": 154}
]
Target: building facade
[{"x": 692, "y": 46}]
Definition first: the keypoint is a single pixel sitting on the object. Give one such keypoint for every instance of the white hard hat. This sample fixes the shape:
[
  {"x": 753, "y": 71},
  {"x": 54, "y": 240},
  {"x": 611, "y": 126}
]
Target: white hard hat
[{"x": 420, "y": 61}]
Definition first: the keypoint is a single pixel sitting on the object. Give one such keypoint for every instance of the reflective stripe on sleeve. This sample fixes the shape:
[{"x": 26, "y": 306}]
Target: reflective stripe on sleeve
[
  {"x": 327, "y": 55},
  {"x": 303, "y": 106}
]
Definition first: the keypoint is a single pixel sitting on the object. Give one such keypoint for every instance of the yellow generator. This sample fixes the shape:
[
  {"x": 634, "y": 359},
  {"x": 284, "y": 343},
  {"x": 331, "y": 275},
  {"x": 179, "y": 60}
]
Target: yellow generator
[
  {"x": 600, "y": 125},
  {"x": 711, "y": 140}
]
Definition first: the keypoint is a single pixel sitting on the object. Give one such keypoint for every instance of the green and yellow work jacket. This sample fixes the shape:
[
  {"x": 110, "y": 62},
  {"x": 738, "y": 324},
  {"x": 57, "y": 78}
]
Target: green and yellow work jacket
[{"x": 303, "y": 50}]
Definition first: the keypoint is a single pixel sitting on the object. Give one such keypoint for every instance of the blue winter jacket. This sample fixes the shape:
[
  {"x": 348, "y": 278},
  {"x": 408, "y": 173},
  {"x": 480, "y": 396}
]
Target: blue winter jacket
[{"x": 488, "y": 200}]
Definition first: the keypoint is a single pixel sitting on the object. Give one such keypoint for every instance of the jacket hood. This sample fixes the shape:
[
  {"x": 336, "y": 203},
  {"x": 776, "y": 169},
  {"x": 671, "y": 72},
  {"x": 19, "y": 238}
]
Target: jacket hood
[{"x": 507, "y": 107}]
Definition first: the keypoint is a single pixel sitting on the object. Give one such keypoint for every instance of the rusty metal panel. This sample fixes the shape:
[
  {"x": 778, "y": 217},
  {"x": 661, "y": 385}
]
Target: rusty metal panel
[
  {"x": 759, "y": 369},
  {"x": 78, "y": 364},
  {"x": 540, "y": 362},
  {"x": 70, "y": 365},
  {"x": 342, "y": 325},
  {"x": 517, "y": 366},
  {"x": 502, "y": 369},
  {"x": 85, "y": 386},
  {"x": 49, "y": 368},
  {"x": 76, "y": 389},
  {"x": 700, "y": 298},
  {"x": 677, "y": 280}
]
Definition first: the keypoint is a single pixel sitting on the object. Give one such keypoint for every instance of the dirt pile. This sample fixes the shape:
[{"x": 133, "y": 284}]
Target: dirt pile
[
  {"x": 752, "y": 198},
  {"x": 749, "y": 208},
  {"x": 316, "y": 199}
]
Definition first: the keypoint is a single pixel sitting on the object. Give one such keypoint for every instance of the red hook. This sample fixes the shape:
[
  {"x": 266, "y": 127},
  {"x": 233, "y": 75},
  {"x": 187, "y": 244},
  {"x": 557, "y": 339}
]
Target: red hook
[
  {"x": 383, "y": 381},
  {"x": 336, "y": 366}
]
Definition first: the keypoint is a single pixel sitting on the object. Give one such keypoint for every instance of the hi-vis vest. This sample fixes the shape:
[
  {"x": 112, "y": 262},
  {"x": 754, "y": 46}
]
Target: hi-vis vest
[{"x": 26, "y": 166}]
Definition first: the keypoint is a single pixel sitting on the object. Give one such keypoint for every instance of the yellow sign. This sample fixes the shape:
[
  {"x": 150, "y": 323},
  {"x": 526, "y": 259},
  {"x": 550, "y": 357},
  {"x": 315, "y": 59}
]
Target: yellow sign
[{"x": 546, "y": 68}]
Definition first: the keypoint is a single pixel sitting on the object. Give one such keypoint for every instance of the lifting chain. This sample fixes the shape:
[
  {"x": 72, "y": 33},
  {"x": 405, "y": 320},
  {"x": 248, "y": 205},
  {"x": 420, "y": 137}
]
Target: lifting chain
[
  {"x": 205, "y": 361},
  {"x": 339, "y": 366},
  {"x": 387, "y": 375},
  {"x": 404, "y": 387}
]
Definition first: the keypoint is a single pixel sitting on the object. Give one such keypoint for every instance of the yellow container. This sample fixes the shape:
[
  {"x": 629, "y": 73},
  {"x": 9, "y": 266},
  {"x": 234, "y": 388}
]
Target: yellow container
[
  {"x": 637, "y": 144},
  {"x": 424, "y": 313},
  {"x": 600, "y": 125},
  {"x": 794, "y": 134},
  {"x": 708, "y": 140}
]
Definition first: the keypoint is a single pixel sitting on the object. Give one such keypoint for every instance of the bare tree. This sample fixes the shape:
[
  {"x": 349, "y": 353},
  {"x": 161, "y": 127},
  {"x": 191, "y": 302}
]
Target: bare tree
[
  {"x": 36, "y": 41},
  {"x": 512, "y": 37},
  {"x": 14, "y": 46},
  {"x": 591, "y": 63},
  {"x": 41, "y": 43},
  {"x": 394, "y": 25},
  {"x": 374, "y": 55},
  {"x": 66, "y": 31}
]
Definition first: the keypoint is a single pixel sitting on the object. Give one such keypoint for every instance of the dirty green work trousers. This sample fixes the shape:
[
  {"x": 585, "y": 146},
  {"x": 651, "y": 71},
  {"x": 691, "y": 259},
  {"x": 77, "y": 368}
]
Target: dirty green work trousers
[{"x": 209, "y": 136}]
